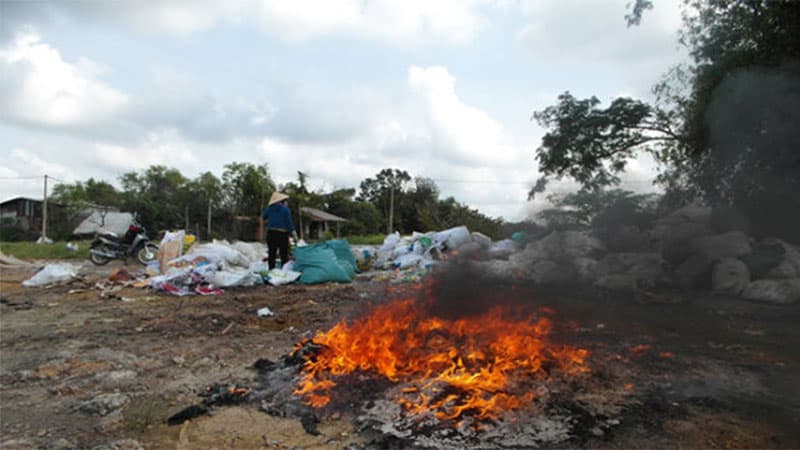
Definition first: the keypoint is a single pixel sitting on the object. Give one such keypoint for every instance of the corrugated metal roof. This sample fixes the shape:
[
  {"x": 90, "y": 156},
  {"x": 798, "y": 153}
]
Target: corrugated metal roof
[
  {"x": 316, "y": 214},
  {"x": 118, "y": 222}
]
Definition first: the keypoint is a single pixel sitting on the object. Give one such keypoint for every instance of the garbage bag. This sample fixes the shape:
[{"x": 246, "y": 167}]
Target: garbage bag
[
  {"x": 341, "y": 248},
  {"x": 390, "y": 242},
  {"x": 452, "y": 238},
  {"x": 231, "y": 278},
  {"x": 52, "y": 273},
  {"x": 319, "y": 264},
  {"x": 278, "y": 277},
  {"x": 408, "y": 260}
]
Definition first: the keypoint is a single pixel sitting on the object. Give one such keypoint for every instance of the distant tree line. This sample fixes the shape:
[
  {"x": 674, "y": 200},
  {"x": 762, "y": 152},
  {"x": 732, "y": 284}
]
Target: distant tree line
[{"x": 165, "y": 199}]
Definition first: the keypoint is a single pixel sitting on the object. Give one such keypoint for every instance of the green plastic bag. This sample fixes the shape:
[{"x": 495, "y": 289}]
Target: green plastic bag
[
  {"x": 319, "y": 264},
  {"x": 345, "y": 257}
]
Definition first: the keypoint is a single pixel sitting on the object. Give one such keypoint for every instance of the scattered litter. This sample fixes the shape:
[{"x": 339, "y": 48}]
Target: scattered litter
[
  {"x": 265, "y": 312},
  {"x": 51, "y": 274},
  {"x": 44, "y": 240},
  {"x": 71, "y": 246}
]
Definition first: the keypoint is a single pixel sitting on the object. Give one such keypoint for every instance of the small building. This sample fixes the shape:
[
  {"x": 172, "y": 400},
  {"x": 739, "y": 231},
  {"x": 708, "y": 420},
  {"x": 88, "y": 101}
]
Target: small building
[
  {"x": 318, "y": 222},
  {"x": 22, "y": 212}
]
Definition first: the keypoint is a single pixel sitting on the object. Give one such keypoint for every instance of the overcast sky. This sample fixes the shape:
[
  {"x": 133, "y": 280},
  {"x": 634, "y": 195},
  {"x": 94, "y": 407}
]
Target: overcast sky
[{"x": 337, "y": 89}]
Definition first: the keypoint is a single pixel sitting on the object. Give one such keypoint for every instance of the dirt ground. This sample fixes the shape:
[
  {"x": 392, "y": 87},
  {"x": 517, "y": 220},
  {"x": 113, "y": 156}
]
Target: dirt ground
[{"x": 79, "y": 371}]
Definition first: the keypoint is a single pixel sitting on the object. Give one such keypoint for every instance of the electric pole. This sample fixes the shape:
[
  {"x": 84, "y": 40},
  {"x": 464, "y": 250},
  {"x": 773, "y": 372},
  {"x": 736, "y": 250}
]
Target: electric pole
[
  {"x": 390, "y": 225},
  {"x": 44, "y": 211}
]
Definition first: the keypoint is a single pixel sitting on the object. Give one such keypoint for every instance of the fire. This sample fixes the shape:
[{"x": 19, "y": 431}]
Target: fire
[{"x": 478, "y": 366}]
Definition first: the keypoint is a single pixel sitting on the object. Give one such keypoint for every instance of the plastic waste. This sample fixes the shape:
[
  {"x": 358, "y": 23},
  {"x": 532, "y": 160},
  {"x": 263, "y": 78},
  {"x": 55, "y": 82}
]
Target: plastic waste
[
  {"x": 279, "y": 277},
  {"x": 452, "y": 238},
  {"x": 502, "y": 249},
  {"x": 519, "y": 236},
  {"x": 232, "y": 278},
  {"x": 71, "y": 246},
  {"x": 265, "y": 312},
  {"x": 408, "y": 260},
  {"x": 52, "y": 273},
  {"x": 341, "y": 249},
  {"x": 319, "y": 264}
]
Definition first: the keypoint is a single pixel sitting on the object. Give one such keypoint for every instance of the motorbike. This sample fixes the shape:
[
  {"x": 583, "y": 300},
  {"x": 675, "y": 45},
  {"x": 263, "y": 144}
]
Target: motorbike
[{"x": 107, "y": 245}]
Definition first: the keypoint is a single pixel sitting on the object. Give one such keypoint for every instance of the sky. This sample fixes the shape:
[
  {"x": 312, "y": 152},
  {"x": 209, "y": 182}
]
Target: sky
[{"x": 337, "y": 89}]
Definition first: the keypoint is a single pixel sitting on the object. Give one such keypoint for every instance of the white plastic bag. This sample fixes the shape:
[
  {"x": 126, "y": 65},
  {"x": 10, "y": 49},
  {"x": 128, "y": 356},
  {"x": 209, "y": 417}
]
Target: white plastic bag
[
  {"x": 52, "y": 273},
  {"x": 278, "y": 277},
  {"x": 452, "y": 238},
  {"x": 231, "y": 278},
  {"x": 408, "y": 260},
  {"x": 390, "y": 242}
]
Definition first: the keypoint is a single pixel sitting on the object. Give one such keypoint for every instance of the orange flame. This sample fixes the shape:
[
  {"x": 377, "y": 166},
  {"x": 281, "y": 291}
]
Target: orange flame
[{"x": 446, "y": 367}]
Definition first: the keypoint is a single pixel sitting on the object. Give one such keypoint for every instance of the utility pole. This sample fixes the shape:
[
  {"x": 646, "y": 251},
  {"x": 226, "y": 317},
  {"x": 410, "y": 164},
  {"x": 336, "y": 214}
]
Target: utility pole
[
  {"x": 44, "y": 211},
  {"x": 390, "y": 225},
  {"x": 186, "y": 218},
  {"x": 208, "y": 226}
]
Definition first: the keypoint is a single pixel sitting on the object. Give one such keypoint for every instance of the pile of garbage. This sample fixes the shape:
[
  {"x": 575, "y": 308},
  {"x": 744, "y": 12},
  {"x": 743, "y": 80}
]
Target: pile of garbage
[
  {"x": 408, "y": 258},
  {"x": 207, "y": 268}
]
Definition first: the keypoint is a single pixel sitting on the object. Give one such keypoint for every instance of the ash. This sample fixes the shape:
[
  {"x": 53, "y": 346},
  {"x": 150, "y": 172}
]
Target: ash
[{"x": 384, "y": 421}]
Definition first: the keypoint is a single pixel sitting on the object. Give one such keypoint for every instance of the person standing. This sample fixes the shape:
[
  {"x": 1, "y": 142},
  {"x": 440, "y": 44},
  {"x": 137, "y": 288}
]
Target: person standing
[{"x": 279, "y": 226}]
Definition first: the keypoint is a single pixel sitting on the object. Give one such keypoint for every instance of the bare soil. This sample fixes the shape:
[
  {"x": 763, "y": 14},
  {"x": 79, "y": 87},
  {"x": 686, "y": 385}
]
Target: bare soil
[{"x": 79, "y": 371}]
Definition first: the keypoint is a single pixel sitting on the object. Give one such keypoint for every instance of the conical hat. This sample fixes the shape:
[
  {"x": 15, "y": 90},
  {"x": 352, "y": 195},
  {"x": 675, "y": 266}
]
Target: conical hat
[{"x": 277, "y": 197}]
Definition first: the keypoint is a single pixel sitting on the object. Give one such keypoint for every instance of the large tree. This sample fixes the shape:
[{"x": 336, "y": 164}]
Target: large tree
[
  {"x": 723, "y": 126},
  {"x": 384, "y": 192}
]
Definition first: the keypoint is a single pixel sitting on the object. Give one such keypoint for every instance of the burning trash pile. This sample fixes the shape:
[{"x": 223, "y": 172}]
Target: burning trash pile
[{"x": 409, "y": 371}]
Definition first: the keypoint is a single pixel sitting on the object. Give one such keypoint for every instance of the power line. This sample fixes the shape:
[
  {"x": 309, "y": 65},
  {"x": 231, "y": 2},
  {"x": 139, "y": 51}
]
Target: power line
[{"x": 21, "y": 178}]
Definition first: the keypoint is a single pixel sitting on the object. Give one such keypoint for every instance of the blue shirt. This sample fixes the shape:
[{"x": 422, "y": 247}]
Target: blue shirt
[{"x": 278, "y": 217}]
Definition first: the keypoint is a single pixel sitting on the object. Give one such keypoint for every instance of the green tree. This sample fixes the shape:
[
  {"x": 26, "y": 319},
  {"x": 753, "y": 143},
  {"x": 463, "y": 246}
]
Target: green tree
[
  {"x": 384, "y": 192},
  {"x": 723, "y": 126},
  {"x": 246, "y": 188},
  {"x": 158, "y": 194}
]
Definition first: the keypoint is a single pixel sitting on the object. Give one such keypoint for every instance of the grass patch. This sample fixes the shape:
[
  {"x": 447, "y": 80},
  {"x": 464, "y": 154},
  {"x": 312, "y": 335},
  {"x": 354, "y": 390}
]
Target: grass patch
[
  {"x": 57, "y": 250},
  {"x": 369, "y": 239}
]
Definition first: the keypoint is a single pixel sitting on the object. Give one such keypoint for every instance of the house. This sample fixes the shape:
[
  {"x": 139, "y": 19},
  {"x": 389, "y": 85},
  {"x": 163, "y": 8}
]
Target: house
[
  {"x": 318, "y": 223},
  {"x": 22, "y": 212}
]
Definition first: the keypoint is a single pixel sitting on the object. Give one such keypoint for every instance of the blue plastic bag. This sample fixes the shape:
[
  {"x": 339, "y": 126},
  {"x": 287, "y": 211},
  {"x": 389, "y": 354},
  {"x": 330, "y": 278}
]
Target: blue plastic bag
[{"x": 341, "y": 249}]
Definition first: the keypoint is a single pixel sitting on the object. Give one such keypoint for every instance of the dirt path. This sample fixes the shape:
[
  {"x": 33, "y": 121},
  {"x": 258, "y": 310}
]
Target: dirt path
[{"x": 80, "y": 371}]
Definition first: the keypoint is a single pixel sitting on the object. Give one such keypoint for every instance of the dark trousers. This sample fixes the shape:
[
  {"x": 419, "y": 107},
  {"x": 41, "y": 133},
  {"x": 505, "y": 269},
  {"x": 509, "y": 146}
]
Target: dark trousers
[{"x": 277, "y": 240}]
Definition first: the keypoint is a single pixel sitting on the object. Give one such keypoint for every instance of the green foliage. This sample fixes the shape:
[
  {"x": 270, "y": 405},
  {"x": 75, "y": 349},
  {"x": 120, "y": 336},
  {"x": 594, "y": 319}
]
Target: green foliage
[
  {"x": 383, "y": 190},
  {"x": 724, "y": 126},
  {"x": 367, "y": 239},
  {"x": 247, "y": 188},
  {"x": 592, "y": 145},
  {"x": 57, "y": 250}
]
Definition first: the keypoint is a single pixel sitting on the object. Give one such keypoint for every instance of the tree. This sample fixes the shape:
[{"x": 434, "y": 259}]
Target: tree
[
  {"x": 158, "y": 194},
  {"x": 246, "y": 187},
  {"x": 383, "y": 190},
  {"x": 723, "y": 127}
]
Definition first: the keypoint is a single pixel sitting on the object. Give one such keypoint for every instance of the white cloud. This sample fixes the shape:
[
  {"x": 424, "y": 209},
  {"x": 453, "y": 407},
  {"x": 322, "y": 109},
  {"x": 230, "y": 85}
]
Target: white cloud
[
  {"x": 594, "y": 32},
  {"x": 157, "y": 148},
  {"x": 399, "y": 22},
  {"x": 411, "y": 21},
  {"x": 468, "y": 134},
  {"x": 41, "y": 88}
]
